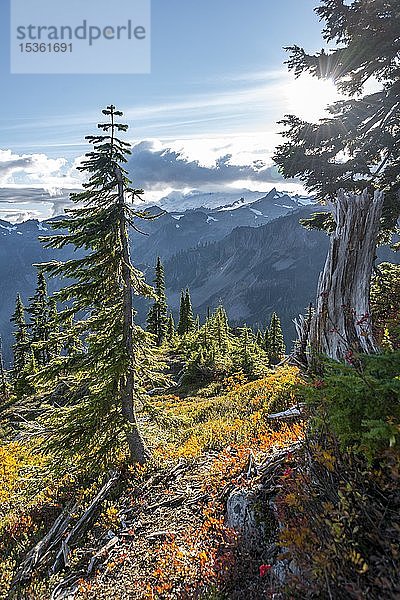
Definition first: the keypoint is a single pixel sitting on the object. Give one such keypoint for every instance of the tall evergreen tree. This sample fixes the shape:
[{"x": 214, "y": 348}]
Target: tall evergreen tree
[
  {"x": 39, "y": 321},
  {"x": 157, "y": 317},
  {"x": 22, "y": 346},
  {"x": 220, "y": 328},
  {"x": 24, "y": 364},
  {"x": 105, "y": 371},
  {"x": 276, "y": 342},
  {"x": 357, "y": 145},
  {"x": 189, "y": 318},
  {"x": 182, "y": 325},
  {"x": 186, "y": 320},
  {"x": 170, "y": 335},
  {"x": 260, "y": 338}
]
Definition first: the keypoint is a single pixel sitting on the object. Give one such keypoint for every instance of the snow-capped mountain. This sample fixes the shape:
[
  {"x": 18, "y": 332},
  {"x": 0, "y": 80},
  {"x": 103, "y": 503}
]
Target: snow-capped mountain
[
  {"x": 179, "y": 201},
  {"x": 173, "y": 232}
]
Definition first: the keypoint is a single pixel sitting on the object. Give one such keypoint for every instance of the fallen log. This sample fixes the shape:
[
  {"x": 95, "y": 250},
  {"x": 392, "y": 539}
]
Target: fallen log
[
  {"x": 57, "y": 537},
  {"x": 40, "y": 553},
  {"x": 102, "y": 552},
  {"x": 62, "y": 558},
  {"x": 291, "y": 413}
]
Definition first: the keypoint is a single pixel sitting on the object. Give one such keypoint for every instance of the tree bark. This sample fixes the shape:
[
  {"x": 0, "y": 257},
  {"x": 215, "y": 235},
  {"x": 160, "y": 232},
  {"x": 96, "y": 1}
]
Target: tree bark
[
  {"x": 137, "y": 448},
  {"x": 341, "y": 325}
]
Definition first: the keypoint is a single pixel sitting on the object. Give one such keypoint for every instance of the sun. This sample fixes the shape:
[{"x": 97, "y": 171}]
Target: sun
[{"x": 307, "y": 97}]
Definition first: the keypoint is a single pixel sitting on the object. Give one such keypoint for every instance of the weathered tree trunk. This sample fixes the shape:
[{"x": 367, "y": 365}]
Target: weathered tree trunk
[
  {"x": 341, "y": 325},
  {"x": 137, "y": 448}
]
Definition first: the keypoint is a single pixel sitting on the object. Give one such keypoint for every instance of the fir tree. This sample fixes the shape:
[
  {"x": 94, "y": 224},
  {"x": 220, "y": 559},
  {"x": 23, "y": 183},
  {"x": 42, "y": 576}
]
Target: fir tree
[
  {"x": 106, "y": 373},
  {"x": 356, "y": 146},
  {"x": 170, "y": 335},
  {"x": 220, "y": 329},
  {"x": 182, "y": 315},
  {"x": 22, "y": 346},
  {"x": 189, "y": 319},
  {"x": 186, "y": 320},
  {"x": 39, "y": 321},
  {"x": 276, "y": 342},
  {"x": 24, "y": 365},
  {"x": 157, "y": 317}
]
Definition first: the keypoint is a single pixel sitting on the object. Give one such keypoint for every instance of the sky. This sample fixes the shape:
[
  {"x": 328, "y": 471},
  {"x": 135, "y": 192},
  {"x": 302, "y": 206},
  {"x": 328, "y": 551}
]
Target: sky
[{"x": 205, "y": 117}]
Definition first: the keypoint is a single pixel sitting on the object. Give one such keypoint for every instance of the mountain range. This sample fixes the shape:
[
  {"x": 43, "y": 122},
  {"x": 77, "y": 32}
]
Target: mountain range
[{"x": 253, "y": 256}]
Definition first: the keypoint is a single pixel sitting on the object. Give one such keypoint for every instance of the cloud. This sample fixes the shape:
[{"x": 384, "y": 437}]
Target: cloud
[
  {"x": 37, "y": 170},
  {"x": 155, "y": 168},
  {"x": 20, "y": 203},
  {"x": 36, "y": 186}
]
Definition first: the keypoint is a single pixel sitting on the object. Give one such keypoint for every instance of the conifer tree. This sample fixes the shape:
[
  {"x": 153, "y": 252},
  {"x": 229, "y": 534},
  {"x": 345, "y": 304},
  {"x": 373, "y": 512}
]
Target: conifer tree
[
  {"x": 356, "y": 145},
  {"x": 39, "y": 321},
  {"x": 170, "y": 335},
  {"x": 21, "y": 347},
  {"x": 104, "y": 371},
  {"x": 220, "y": 329},
  {"x": 260, "y": 338},
  {"x": 276, "y": 342},
  {"x": 186, "y": 320},
  {"x": 182, "y": 315},
  {"x": 24, "y": 364},
  {"x": 189, "y": 319},
  {"x": 157, "y": 317}
]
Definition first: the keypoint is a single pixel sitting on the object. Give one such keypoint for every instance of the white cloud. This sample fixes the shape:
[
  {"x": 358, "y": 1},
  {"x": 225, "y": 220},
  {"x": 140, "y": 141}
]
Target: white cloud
[{"x": 36, "y": 170}]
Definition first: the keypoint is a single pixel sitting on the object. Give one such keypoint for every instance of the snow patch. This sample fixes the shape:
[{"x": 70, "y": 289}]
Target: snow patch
[
  {"x": 9, "y": 229},
  {"x": 210, "y": 219},
  {"x": 41, "y": 228},
  {"x": 177, "y": 217},
  {"x": 256, "y": 212}
]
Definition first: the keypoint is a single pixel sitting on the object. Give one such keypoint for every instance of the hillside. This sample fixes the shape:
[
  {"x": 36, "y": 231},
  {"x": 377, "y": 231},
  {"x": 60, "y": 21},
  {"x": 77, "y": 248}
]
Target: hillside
[
  {"x": 255, "y": 271},
  {"x": 20, "y": 247}
]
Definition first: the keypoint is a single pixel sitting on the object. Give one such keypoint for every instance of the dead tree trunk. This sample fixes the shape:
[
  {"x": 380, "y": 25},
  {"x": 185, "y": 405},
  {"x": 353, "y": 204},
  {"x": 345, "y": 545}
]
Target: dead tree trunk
[
  {"x": 137, "y": 448},
  {"x": 341, "y": 325}
]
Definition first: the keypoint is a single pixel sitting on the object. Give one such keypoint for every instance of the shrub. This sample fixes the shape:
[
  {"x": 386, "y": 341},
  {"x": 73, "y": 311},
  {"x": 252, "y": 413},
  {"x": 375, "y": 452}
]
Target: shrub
[{"x": 360, "y": 402}]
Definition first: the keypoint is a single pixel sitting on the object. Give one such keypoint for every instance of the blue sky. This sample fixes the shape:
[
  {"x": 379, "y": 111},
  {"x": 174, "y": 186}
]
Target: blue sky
[{"x": 217, "y": 87}]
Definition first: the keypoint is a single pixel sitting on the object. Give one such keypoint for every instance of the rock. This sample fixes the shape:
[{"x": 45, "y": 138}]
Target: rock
[{"x": 243, "y": 515}]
